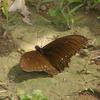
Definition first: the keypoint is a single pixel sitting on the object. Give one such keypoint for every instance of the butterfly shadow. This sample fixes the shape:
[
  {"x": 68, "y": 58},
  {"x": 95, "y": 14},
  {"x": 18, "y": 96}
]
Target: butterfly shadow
[{"x": 17, "y": 75}]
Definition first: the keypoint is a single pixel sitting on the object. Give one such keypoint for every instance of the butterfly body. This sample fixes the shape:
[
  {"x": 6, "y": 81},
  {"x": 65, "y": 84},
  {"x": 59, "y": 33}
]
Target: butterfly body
[{"x": 53, "y": 57}]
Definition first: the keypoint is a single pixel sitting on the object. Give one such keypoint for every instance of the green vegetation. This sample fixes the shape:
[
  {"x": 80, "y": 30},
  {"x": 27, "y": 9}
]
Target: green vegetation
[
  {"x": 37, "y": 95},
  {"x": 62, "y": 16},
  {"x": 6, "y": 13},
  {"x": 63, "y": 13}
]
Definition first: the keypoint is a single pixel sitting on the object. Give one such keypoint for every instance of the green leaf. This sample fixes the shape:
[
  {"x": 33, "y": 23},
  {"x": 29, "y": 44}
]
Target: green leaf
[
  {"x": 25, "y": 97},
  {"x": 75, "y": 9},
  {"x": 73, "y": 1},
  {"x": 98, "y": 1},
  {"x": 5, "y": 7},
  {"x": 95, "y": 2},
  {"x": 53, "y": 12},
  {"x": 38, "y": 95}
]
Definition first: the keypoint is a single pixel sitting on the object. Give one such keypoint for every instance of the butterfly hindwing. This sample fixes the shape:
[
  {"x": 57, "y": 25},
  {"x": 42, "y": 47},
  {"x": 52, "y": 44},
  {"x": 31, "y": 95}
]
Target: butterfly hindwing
[{"x": 34, "y": 61}]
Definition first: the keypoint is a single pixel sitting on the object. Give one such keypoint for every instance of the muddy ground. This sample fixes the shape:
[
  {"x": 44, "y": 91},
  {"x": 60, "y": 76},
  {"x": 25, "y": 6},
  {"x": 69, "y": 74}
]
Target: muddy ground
[{"x": 63, "y": 86}]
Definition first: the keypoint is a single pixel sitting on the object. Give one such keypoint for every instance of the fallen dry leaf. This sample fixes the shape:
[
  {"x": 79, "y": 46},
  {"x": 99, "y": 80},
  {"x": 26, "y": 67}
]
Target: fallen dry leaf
[
  {"x": 19, "y": 5},
  {"x": 95, "y": 57},
  {"x": 26, "y": 20},
  {"x": 22, "y": 8}
]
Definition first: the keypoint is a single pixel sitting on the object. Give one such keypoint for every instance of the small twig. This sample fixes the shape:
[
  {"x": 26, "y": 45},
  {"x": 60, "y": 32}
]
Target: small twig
[
  {"x": 4, "y": 34},
  {"x": 3, "y": 91},
  {"x": 2, "y": 83},
  {"x": 4, "y": 87},
  {"x": 86, "y": 64}
]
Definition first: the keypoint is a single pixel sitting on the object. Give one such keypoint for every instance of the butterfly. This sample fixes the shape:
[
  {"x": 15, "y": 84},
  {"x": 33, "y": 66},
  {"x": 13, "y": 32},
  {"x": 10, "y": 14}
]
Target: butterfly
[{"x": 53, "y": 57}]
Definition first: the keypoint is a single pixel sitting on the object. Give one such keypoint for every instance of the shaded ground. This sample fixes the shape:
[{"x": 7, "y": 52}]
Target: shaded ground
[
  {"x": 7, "y": 45},
  {"x": 63, "y": 86}
]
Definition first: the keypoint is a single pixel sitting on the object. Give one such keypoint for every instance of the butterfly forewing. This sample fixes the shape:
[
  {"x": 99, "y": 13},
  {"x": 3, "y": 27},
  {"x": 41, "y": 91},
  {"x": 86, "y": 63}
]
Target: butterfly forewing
[{"x": 61, "y": 50}]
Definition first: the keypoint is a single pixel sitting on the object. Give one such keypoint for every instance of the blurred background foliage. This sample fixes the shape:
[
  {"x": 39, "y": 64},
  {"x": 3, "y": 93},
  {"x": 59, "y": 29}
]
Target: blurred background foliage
[{"x": 61, "y": 13}]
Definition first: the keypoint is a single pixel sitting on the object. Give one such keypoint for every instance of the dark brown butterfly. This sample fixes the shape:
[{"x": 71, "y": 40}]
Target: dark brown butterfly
[{"x": 53, "y": 57}]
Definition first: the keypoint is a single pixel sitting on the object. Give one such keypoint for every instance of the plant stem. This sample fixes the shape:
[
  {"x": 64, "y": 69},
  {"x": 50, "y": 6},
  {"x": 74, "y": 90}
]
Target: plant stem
[
  {"x": 7, "y": 24},
  {"x": 6, "y": 30}
]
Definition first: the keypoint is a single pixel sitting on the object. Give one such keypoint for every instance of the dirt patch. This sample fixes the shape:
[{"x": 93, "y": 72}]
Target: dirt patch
[
  {"x": 60, "y": 87},
  {"x": 89, "y": 95},
  {"x": 7, "y": 45}
]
